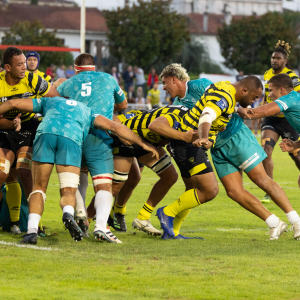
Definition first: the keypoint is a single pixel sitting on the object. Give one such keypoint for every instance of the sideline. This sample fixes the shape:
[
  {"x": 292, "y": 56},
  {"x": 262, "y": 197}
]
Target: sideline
[{"x": 29, "y": 246}]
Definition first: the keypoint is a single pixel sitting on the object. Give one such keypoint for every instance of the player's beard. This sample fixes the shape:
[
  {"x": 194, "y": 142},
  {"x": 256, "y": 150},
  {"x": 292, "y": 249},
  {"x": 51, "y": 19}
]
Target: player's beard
[{"x": 244, "y": 102}]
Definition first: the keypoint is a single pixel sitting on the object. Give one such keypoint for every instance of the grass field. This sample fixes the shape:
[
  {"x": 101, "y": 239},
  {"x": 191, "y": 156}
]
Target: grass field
[{"x": 235, "y": 261}]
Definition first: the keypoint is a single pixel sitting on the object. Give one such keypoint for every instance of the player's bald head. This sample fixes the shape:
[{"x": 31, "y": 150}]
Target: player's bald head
[
  {"x": 252, "y": 83},
  {"x": 85, "y": 59}
]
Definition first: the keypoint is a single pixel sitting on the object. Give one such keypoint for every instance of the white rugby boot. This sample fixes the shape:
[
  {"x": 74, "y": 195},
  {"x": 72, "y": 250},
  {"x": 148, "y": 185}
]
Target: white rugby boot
[
  {"x": 103, "y": 234},
  {"x": 276, "y": 232},
  {"x": 15, "y": 229},
  {"x": 146, "y": 226}
]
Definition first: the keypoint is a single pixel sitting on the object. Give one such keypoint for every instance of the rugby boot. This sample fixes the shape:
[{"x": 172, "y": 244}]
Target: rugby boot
[
  {"x": 71, "y": 225},
  {"x": 266, "y": 199},
  {"x": 117, "y": 222},
  {"x": 276, "y": 232},
  {"x": 166, "y": 222},
  {"x": 30, "y": 239},
  {"x": 296, "y": 229},
  {"x": 146, "y": 226},
  {"x": 179, "y": 237},
  {"x": 103, "y": 234},
  {"x": 15, "y": 229}
]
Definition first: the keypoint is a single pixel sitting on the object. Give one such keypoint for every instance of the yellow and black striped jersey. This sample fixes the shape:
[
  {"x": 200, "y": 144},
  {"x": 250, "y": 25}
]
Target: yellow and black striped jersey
[
  {"x": 43, "y": 75},
  {"x": 221, "y": 98},
  {"x": 138, "y": 121},
  {"x": 269, "y": 74},
  {"x": 31, "y": 86}
]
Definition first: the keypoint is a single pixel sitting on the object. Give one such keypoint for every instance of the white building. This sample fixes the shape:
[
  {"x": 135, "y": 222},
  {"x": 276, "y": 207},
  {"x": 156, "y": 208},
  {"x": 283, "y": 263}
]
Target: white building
[{"x": 65, "y": 20}]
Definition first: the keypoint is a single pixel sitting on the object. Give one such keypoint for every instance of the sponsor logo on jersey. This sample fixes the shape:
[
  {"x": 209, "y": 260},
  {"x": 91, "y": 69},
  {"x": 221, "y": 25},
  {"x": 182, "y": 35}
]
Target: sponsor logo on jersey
[
  {"x": 176, "y": 125},
  {"x": 129, "y": 116},
  {"x": 43, "y": 86},
  {"x": 222, "y": 103},
  {"x": 27, "y": 95},
  {"x": 3, "y": 99},
  {"x": 296, "y": 82}
]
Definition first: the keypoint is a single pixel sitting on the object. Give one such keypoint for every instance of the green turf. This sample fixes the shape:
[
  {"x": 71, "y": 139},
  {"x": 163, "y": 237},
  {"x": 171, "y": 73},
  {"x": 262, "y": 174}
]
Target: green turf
[{"x": 235, "y": 261}]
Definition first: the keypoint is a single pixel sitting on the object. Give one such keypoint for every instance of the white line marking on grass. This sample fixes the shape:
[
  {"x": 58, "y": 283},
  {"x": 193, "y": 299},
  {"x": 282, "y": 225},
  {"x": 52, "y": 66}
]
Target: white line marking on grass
[
  {"x": 227, "y": 229},
  {"x": 29, "y": 246}
]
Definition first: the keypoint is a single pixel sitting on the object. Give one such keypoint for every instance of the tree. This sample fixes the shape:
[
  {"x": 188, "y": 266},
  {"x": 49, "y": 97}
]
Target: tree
[
  {"x": 146, "y": 33},
  {"x": 35, "y": 34},
  {"x": 247, "y": 43}
]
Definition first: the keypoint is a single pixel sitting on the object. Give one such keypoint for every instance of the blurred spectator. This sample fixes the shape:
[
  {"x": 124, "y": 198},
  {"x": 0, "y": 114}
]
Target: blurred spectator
[
  {"x": 128, "y": 76},
  {"x": 152, "y": 78},
  {"x": 50, "y": 71},
  {"x": 70, "y": 72},
  {"x": 60, "y": 72},
  {"x": 131, "y": 95},
  {"x": 116, "y": 74},
  {"x": 240, "y": 76},
  {"x": 140, "y": 96},
  {"x": 153, "y": 96},
  {"x": 140, "y": 78}
]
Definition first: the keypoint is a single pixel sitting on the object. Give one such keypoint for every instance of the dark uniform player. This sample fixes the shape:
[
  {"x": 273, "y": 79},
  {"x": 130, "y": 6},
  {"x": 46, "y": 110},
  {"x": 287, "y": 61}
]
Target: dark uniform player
[
  {"x": 275, "y": 126},
  {"x": 32, "y": 62},
  {"x": 124, "y": 155},
  {"x": 16, "y": 147}
]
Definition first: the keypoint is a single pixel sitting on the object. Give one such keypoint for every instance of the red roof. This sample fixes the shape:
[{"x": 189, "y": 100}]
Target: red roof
[
  {"x": 52, "y": 17},
  {"x": 214, "y": 22}
]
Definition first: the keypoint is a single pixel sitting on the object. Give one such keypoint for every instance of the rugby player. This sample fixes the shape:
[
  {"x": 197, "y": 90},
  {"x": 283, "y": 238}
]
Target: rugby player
[
  {"x": 237, "y": 149},
  {"x": 16, "y": 147},
  {"x": 188, "y": 92},
  {"x": 276, "y": 125},
  {"x": 213, "y": 112},
  {"x": 59, "y": 138},
  {"x": 101, "y": 93},
  {"x": 32, "y": 63}
]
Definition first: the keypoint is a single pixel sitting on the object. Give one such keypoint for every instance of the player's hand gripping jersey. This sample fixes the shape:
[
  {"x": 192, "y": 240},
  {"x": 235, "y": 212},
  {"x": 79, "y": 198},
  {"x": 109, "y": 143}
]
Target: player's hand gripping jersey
[
  {"x": 99, "y": 91},
  {"x": 31, "y": 86},
  {"x": 269, "y": 74},
  {"x": 221, "y": 98},
  {"x": 138, "y": 121}
]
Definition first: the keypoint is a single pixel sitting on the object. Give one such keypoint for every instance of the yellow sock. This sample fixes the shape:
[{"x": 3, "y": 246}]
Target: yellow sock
[
  {"x": 179, "y": 220},
  {"x": 145, "y": 212},
  {"x": 120, "y": 209},
  {"x": 187, "y": 200},
  {"x": 13, "y": 200},
  {"x": 40, "y": 224},
  {"x": 90, "y": 220}
]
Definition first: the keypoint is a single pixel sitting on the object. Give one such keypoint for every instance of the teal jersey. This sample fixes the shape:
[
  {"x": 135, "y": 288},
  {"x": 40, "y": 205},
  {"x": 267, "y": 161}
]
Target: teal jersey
[
  {"x": 194, "y": 90},
  {"x": 290, "y": 106},
  {"x": 234, "y": 125},
  {"x": 99, "y": 91},
  {"x": 67, "y": 118}
]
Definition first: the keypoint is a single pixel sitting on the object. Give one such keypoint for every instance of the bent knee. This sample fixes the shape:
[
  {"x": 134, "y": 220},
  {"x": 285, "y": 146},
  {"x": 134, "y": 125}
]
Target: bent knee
[{"x": 211, "y": 193}]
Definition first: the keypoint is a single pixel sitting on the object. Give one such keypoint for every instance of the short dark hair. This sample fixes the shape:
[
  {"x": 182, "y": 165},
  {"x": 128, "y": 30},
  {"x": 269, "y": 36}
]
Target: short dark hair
[
  {"x": 84, "y": 59},
  {"x": 282, "y": 80},
  {"x": 251, "y": 83},
  {"x": 9, "y": 53}
]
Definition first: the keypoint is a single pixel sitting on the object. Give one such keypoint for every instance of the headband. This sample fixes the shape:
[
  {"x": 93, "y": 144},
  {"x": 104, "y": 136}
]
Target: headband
[{"x": 84, "y": 68}]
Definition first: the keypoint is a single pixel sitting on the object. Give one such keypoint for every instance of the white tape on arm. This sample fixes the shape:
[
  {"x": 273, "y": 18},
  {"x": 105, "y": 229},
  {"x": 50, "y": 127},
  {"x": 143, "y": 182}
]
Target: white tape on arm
[{"x": 208, "y": 115}]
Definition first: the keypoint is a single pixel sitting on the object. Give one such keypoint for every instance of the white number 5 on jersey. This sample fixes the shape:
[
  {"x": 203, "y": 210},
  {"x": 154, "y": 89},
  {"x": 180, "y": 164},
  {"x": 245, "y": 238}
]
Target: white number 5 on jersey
[{"x": 86, "y": 89}]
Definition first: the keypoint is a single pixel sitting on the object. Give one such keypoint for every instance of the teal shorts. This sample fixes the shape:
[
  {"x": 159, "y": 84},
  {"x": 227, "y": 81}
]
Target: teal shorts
[
  {"x": 241, "y": 152},
  {"x": 55, "y": 149},
  {"x": 97, "y": 153}
]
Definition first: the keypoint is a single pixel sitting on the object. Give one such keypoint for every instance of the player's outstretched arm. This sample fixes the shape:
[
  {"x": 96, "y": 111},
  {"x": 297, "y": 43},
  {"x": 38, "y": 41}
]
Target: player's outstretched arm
[
  {"x": 162, "y": 127},
  {"x": 21, "y": 104},
  {"x": 264, "y": 111},
  {"x": 52, "y": 92},
  {"x": 124, "y": 132}
]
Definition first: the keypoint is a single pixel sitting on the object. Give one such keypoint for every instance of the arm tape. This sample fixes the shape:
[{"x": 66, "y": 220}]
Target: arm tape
[{"x": 208, "y": 115}]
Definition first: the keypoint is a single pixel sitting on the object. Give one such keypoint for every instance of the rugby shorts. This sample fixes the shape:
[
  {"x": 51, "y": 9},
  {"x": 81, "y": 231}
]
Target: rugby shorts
[
  {"x": 241, "y": 152},
  {"x": 190, "y": 160},
  {"x": 55, "y": 149},
  {"x": 280, "y": 126}
]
